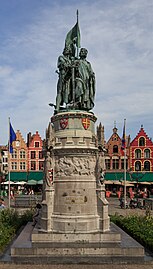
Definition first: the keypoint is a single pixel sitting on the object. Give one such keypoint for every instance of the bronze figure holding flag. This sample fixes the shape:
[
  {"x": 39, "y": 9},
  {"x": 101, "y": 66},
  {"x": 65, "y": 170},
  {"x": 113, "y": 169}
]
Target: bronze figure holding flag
[{"x": 76, "y": 83}]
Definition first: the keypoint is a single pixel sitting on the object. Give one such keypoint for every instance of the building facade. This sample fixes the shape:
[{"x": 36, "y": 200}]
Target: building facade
[
  {"x": 26, "y": 162},
  {"x": 35, "y": 153},
  {"x": 114, "y": 157},
  {"x": 18, "y": 159},
  {"x": 141, "y": 152}
]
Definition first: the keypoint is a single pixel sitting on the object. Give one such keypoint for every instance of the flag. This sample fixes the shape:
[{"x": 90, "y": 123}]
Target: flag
[
  {"x": 12, "y": 138},
  {"x": 73, "y": 37},
  {"x": 123, "y": 146}
]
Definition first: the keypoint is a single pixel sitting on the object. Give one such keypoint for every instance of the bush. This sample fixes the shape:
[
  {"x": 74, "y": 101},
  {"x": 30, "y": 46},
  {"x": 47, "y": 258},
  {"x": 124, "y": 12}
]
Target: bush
[
  {"x": 139, "y": 227},
  {"x": 10, "y": 222}
]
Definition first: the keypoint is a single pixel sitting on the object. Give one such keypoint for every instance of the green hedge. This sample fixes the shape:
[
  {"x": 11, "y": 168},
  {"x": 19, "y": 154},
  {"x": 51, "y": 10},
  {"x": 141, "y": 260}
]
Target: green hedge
[
  {"x": 139, "y": 227},
  {"x": 10, "y": 222}
]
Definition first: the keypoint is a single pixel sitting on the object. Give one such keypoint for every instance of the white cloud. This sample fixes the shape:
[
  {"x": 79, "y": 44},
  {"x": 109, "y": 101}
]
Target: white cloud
[{"x": 119, "y": 39}]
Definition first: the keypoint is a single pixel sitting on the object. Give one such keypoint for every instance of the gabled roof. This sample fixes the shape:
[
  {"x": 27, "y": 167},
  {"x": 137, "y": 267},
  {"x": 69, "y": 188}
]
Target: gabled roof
[
  {"x": 141, "y": 133},
  {"x": 33, "y": 138}
]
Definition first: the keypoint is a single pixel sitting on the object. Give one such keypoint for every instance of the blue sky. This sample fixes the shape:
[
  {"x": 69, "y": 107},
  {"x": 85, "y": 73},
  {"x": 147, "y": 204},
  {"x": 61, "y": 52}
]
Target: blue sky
[{"x": 118, "y": 35}]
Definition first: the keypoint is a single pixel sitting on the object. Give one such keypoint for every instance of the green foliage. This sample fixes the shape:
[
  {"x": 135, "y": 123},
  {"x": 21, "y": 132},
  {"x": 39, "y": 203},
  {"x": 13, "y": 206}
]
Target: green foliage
[
  {"x": 9, "y": 217},
  {"x": 139, "y": 227},
  {"x": 10, "y": 222}
]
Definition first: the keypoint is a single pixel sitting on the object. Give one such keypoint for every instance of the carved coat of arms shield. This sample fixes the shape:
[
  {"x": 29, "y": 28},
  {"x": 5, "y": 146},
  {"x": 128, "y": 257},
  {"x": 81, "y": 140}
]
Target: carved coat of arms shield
[
  {"x": 64, "y": 123},
  {"x": 85, "y": 123}
]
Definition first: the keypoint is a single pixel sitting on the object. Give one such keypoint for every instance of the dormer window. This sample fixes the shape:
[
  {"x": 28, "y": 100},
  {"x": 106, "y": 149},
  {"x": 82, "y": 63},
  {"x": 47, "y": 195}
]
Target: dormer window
[
  {"x": 36, "y": 144},
  {"x": 115, "y": 149},
  {"x": 141, "y": 142}
]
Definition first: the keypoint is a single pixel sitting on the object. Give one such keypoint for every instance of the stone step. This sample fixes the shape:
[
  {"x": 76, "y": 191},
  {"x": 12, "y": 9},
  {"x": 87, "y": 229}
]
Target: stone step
[{"x": 23, "y": 250}]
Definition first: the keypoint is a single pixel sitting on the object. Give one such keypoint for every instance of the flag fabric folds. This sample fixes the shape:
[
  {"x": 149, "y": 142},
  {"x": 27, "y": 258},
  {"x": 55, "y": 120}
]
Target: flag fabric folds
[
  {"x": 73, "y": 37},
  {"x": 12, "y": 138},
  {"x": 123, "y": 146}
]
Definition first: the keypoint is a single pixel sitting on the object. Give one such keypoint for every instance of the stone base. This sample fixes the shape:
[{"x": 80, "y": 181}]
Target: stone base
[{"x": 33, "y": 246}]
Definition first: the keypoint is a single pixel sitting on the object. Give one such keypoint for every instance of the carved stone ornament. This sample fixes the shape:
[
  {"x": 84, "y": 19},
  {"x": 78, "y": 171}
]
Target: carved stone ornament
[
  {"x": 64, "y": 123},
  {"x": 85, "y": 123},
  {"x": 70, "y": 166},
  {"x": 48, "y": 169}
]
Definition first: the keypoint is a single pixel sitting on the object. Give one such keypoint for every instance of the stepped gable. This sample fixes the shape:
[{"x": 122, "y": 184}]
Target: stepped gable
[
  {"x": 112, "y": 136},
  {"x": 20, "y": 138},
  {"x": 33, "y": 138},
  {"x": 141, "y": 133}
]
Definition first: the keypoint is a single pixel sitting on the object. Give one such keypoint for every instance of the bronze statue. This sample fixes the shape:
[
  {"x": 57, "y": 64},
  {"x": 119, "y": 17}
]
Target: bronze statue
[
  {"x": 85, "y": 82},
  {"x": 64, "y": 85},
  {"x": 76, "y": 82}
]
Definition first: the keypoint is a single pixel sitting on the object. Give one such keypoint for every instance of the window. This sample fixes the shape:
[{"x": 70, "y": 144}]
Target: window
[
  {"x": 33, "y": 155},
  {"x": 137, "y": 166},
  {"x": 33, "y": 165},
  {"x": 41, "y": 165},
  {"x": 5, "y": 159},
  {"x": 5, "y": 167},
  {"x": 115, "y": 163},
  {"x": 36, "y": 144},
  {"x": 14, "y": 165},
  {"x": 137, "y": 154},
  {"x": 141, "y": 142},
  {"x": 147, "y": 166},
  {"x": 40, "y": 155},
  {"x": 147, "y": 153},
  {"x": 122, "y": 164},
  {"x": 115, "y": 149},
  {"x": 22, "y": 154},
  {"x": 107, "y": 163},
  {"x": 22, "y": 166},
  {"x": 14, "y": 154}
]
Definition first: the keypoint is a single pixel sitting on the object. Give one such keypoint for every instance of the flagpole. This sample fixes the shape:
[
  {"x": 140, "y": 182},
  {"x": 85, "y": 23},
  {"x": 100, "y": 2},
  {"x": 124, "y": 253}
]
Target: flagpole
[
  {"x": 77, "y": 34},
  {"x": 125, "y": 167},
  {"x": 9, "y": 192}
]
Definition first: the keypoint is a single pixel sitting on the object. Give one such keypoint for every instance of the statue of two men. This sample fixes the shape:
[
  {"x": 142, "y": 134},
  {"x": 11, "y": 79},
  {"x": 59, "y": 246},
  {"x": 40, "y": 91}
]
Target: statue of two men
[{"x": 76, "y": 83}]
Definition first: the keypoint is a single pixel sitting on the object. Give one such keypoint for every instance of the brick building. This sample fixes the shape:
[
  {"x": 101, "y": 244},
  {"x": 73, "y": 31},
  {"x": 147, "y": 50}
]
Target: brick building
[
  {"x": 18, "y": 159},
  {"x": 35, "y": 155},
  {"x": 26, "y": 161},
  {"x": 114, "y": 157},
  {"x": 141, "y": 152}
]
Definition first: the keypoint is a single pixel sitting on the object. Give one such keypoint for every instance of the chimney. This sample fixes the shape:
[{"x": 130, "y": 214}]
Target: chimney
[{"x": 28, "y": 138}]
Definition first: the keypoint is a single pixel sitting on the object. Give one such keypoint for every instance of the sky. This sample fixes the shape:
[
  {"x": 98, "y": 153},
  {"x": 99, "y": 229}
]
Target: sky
[{"x": 119, "y": 37}]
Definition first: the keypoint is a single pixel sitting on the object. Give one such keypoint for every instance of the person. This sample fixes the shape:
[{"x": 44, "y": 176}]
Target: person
[
  {"x": 64, "y": 84},
  {"x": 2, "y": 203},
  {"x": 36, "y": 216},
  {"x": 85, "y": 82}
]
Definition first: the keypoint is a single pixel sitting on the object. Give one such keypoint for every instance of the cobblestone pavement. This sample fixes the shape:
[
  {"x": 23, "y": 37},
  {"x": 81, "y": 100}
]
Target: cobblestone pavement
[
  {"x": 115, "y": 208},
  {"x": 79, "y": 266}
]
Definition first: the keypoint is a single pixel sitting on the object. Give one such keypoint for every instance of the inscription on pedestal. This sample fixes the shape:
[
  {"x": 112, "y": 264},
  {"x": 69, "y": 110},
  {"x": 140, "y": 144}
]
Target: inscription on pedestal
[{"x": 75, "y": 200}]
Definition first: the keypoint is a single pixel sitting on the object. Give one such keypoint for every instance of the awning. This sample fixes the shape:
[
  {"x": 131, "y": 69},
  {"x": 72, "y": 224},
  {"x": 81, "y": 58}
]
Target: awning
[
  {"x": 19, "y": 182},
  {"x": 34, "y": 182},
  {"x": 25, "y": 176},
  {"x": 118, "y": 176},
  {"x": 31, "y": 182},
  {"x": 7, "y": 182},
  {"x": 133, "y": 177},
  {"x": 117, "y": 182}
]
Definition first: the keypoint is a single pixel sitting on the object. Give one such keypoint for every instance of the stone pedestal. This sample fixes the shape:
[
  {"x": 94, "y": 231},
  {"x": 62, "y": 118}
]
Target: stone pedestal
[
  {"x": 74, "y": 202},
  {"x": 75, "y": 226}
]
